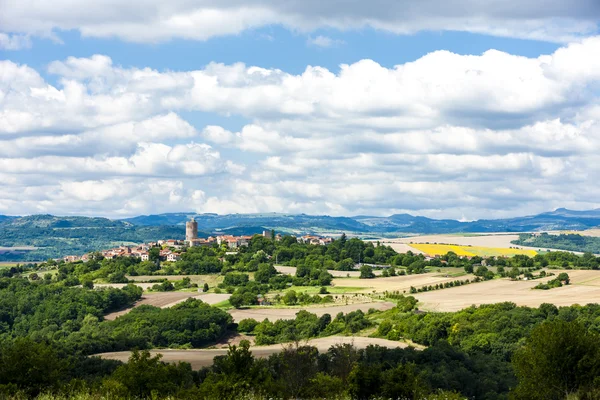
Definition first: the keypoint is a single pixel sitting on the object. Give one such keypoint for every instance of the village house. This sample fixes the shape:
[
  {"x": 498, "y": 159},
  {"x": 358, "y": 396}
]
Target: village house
[{"x": 173, "y": 257}]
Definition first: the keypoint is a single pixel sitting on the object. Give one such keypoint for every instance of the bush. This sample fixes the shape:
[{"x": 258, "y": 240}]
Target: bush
[{"x": 247, "y": 325}]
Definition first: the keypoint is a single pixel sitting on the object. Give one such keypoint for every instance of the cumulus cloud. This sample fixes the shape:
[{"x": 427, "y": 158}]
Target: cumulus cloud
[
  {"x": 445, "y": 135},
  {"x": 154, "y": 20}
]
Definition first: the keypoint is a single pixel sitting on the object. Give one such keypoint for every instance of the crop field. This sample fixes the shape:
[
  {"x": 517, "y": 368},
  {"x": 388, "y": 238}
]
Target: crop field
[
  {"x": 584, "y": 289},
  {"x": 274, "y": 314},
  {"x": 199, "y": 358},
  {"x": 470, "y": 251},
  {"x": 400, "y": 283},
  {"x": 211, "y": 279},
  {"x": 169, "y": 299}
]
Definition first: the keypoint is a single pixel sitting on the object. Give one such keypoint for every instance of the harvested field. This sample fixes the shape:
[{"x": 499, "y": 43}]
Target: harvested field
[
  {"x": 274, "y": 314},
  {"x": 400, "y": 283},
  {"x": 143, "y": 285},
  {"x": 584, "y": 289},
  {"x": 336, "y": 274},
  {"x": 212, "y": 279},
  {"x": 204, "y": 357},
  {"x": 169, "y": 299}
]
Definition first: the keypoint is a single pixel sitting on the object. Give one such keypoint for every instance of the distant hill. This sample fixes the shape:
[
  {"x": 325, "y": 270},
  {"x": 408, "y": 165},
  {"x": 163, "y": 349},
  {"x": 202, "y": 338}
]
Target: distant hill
[
  {"x": 5, "y": 218},
  {"x": 560, "y": 219},
  {"x": 59, "y": 236},
  {"x": 283, "y": 222}
]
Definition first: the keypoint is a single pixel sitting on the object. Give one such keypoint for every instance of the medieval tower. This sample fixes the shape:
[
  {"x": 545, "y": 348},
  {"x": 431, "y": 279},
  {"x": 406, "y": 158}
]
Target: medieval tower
[{"x": 191, "y": 230}]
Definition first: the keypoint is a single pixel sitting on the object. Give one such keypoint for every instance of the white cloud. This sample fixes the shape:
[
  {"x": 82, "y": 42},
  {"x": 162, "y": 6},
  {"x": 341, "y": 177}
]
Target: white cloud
[
  {"x": 14, "y": 42},
  {"x": 324, "y": 41},
  {"x": 474, "y": 136},
  {"x": 153, "y": 20}
]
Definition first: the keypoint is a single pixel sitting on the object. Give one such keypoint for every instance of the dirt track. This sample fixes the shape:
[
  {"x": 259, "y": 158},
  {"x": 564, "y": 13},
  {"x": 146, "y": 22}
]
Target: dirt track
[
  {"x": 274, "y": 314},
  {"x": 169, "y": 299},
  {"x": 584, "y": 289},
  {"x": 204, "y": 357}
]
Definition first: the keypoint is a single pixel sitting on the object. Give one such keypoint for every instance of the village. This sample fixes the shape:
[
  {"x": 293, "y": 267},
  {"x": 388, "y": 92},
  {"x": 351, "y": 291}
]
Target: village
[{"x": 171, "y": 249}]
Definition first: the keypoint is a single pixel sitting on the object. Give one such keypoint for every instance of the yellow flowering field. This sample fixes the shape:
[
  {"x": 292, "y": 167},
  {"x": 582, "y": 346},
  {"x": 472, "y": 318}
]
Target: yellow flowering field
[{"x": 470, "y": 251}]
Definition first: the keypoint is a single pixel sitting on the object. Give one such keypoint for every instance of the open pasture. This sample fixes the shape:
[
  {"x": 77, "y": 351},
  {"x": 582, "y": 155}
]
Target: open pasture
[
  {"x": 584, "y": 289},
  {"x": 199, "y": 358}
]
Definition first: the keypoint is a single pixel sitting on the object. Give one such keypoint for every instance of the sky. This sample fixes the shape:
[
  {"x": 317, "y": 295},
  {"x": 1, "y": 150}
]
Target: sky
[{"x": 462, "y": 109}]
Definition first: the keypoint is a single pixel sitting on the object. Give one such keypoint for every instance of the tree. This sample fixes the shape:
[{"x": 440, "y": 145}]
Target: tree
[
  {"x": 205, "y": 288},
  {"x": 290, "y": 298},
  {"x": 154, "y": 254},
  {"x": 559, "y": 358},
  {"x": 144, "y": 374},
  {"x": 346, "y": 264},
  {"x": 88, "y": 284},
  {"x": 366, "y": 272}
]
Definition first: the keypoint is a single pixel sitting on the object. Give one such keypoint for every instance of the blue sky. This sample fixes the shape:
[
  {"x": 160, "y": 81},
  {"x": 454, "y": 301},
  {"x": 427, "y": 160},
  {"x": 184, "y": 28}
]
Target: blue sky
[
  {"x": 274, "y": 47},
  {"x": 465, "y": 111}
]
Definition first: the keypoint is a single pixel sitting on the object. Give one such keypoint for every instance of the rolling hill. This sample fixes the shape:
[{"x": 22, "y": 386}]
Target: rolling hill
[{"x": 54, "y": 236}]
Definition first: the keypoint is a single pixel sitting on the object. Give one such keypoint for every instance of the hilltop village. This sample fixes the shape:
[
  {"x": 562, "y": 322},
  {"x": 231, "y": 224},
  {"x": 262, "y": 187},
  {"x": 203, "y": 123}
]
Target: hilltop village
[{"x": 171, "y": 249}]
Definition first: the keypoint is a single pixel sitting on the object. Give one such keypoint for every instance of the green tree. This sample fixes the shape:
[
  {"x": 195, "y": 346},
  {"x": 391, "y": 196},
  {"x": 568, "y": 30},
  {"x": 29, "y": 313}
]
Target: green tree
[
  {"x": 154, "y": 254},
  {"x": 366, "y": 272},
  {"x": 290, "y": 298},
  {"x": 559, "y": 359}
]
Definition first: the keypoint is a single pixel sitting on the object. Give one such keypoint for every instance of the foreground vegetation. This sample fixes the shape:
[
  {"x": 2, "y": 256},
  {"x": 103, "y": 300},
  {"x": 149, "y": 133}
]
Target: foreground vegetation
[{"x": 51, "y": 322}]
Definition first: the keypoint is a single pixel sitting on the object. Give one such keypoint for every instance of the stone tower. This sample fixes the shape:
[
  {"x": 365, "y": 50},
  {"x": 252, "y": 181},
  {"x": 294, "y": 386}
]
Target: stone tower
[{"x": 191, "y": 230}]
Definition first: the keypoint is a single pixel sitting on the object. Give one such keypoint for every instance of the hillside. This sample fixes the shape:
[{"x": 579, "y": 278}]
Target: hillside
[
  {"x": 561, "y": 219},
  {"x": 58, "y": 236}
]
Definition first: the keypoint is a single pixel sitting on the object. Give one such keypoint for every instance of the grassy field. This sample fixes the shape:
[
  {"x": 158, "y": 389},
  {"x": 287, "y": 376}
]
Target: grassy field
[{"x": 470, "y": 251}]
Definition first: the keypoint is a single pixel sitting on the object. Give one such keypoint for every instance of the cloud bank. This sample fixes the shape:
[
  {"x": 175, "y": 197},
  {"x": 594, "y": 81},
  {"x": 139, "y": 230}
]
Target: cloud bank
[
  {"x": 475, "y": 136},
  {"x": 151, "y": 21}
]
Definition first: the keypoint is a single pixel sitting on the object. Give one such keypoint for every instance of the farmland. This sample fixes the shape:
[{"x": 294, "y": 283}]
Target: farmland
[
  {"x": 273, "y": 314},
  {"x": 169, "y": 299},
  {"x": 398, "y": 283},
  {"x": 470, "y": 251},
  {"x": 584, "y": 289},
  {"x": 483, "y": 245},
  {"x": 204, "y": 357}
]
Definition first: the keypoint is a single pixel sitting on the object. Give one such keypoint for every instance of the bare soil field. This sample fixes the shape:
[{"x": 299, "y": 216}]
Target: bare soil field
[
  {"x": 204, "y": 357},
  {"x": 336, "y": 274},
  {"x": 400, "y": 283},
  {"x": 584, "y": 289},
  {"x": 143, "y": 285},
  {"x": 274, "y": 314},
  {"x": 169, "y": 299},
  {"x": 212, "y": 280}
]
